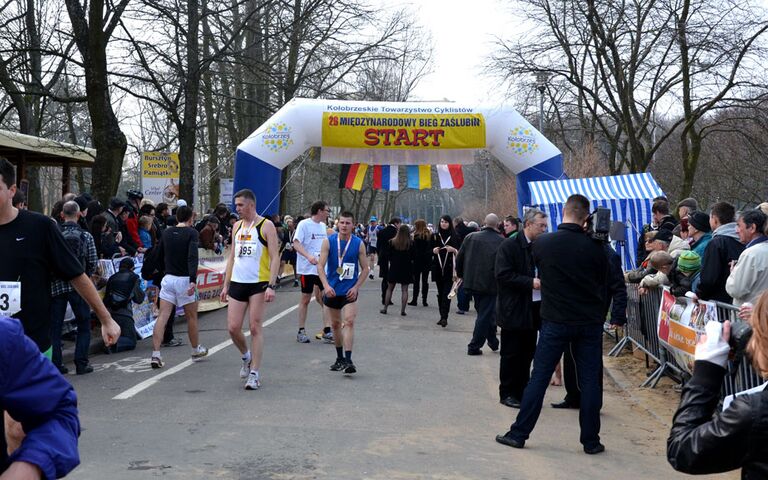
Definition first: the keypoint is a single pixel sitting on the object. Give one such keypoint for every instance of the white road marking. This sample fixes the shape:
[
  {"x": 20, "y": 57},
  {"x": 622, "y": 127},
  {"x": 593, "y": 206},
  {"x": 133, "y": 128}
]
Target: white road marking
[{"x": 167, "y": 373}]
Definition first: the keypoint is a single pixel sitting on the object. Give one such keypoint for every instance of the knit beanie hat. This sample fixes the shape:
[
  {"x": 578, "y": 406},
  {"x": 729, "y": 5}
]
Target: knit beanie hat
[
  {"x": 700, "y": 221},
  {"x": 689, "y": 261}
]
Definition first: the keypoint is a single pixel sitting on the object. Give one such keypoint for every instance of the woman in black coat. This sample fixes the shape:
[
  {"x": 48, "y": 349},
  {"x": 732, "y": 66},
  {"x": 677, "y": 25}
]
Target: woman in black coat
[
  {"x": 422, "y": 262},
  {"x": 445, "y": 246},
  {"x": 400, "y": 270},
  {"x": 704, "y": 439}
]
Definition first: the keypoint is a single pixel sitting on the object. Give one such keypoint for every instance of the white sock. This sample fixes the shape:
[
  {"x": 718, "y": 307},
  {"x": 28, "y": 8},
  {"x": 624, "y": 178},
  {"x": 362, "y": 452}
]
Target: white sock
[
  {"x": 247, "y": 356},
  {"x": 256, "y": 372},
  {"x": 155, "y": 353}
]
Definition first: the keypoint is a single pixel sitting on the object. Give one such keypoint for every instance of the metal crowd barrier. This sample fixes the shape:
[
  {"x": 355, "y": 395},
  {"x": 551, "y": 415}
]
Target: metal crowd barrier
[
  {"x": 742, "y": 376},
  {"x": 642, "y": 317}
]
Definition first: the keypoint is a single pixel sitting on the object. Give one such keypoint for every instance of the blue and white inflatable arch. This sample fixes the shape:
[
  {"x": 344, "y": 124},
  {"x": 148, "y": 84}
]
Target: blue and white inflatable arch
[{"x": 384, "y": 133}]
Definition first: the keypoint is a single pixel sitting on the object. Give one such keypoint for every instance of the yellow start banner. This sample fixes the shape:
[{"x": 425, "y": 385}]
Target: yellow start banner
[{"x": 403, "y": 131}]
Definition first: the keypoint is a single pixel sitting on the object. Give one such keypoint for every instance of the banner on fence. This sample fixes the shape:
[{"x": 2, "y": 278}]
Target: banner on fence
[
  {"x": 210, "y": 280},
  {"x": 680, "y": 323}
]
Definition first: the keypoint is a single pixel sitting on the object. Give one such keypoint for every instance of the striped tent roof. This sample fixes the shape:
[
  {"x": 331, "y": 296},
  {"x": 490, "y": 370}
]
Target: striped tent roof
[
  {"x": 628, "y": 196},
  {"x": 618, "y": 187}
]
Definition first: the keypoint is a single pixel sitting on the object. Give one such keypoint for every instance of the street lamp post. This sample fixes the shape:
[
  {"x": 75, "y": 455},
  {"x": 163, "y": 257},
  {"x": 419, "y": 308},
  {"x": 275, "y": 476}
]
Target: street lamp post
[
  {"x": 486, "y": 186},
  {"x": 542, "y": 78}
]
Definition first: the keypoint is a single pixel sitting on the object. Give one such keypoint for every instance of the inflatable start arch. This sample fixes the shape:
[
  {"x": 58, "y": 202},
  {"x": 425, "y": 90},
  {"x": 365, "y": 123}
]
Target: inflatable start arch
[{"x": 384, "y": 133}]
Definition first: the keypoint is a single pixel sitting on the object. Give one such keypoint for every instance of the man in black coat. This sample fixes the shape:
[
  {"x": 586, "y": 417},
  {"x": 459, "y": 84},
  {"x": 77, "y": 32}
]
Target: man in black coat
[
  {"x": 573, "y": 269},
  {"x": 383, "y": 246},
  {"x": 475, "y": 265},
  {"x": 616, "y": 302},
  {"x": 518, "y": 302}
]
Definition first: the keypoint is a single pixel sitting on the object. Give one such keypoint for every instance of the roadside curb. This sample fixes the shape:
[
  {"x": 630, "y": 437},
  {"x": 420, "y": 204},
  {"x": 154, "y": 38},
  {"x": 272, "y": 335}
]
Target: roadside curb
[{"x": 623, "y": 382}]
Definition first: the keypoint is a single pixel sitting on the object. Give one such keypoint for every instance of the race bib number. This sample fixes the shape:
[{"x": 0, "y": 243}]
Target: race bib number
[
  {"x": 347, "y": 271},
  {"x": 10, "y": 298},
  {"x": 246, "y": 248}
]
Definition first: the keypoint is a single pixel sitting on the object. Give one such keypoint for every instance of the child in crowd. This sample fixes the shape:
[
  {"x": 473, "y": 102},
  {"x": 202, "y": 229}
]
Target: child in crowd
[
  {"x": 685, "y": 277},
  {"x": 145, "y": 225}
]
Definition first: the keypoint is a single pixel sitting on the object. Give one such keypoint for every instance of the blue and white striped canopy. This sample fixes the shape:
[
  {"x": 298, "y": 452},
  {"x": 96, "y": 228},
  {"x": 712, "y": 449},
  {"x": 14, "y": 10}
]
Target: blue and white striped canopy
[{"x": 629, "y": 197}]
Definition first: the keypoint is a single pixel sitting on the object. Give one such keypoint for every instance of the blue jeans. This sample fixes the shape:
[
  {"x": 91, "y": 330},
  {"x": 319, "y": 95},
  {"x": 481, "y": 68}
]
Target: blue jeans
[
  {"x": 82, "y": 321},
  {"x": 485, "y": 324},
  {"x": 462, "y": 299},
  {"x": 586, "y": 342}
]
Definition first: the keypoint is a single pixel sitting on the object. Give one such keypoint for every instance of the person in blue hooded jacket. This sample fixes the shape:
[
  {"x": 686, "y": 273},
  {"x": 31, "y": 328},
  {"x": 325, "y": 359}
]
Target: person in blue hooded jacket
[{"x": 34, "y": 393}]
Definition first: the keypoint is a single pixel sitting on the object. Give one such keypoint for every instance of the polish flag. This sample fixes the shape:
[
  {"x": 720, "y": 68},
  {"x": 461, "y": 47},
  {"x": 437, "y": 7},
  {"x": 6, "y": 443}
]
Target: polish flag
[{"x": 451, "y": 176}]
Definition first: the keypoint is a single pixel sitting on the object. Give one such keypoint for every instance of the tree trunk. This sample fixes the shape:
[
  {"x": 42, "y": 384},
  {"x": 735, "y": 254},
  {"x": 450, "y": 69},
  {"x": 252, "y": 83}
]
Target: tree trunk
[
  {"x": 211, "y": 124},
  {"x": 109, "y": 140},
  {"x": 188, "y": 128}
]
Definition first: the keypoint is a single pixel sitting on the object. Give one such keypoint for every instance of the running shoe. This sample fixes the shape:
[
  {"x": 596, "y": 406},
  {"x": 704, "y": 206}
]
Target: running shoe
[
  {"x": 295, "y": 283},
  {"x": 339, "y": 365},
  {"x": 175, "y": 342},
  {"x": 253, "y": 382},
  {"x": 246, "y": 368},
  {"x": 350, "y": 367},
  {"x": 156, "y": 362},
  {"x": 302, "y": 337},
  {"x": 326, "y": 337},
  {"x": 199, "y": 352}
]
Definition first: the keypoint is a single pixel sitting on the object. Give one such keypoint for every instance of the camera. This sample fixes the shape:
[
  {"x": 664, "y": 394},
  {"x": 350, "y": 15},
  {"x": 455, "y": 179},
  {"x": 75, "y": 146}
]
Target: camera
[
  {"x": 599, "y": 224},
  {"x": 741, "y": 332}
]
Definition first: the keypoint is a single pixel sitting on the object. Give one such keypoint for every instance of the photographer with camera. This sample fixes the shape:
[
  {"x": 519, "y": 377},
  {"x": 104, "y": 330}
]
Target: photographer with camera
[
  {"x": 705, "y": 441},
  {"x": 573, "y": 269}
]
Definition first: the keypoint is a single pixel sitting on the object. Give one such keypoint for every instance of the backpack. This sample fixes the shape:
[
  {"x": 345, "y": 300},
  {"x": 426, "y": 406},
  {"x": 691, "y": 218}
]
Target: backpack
[{"x": 75, "y": 238}]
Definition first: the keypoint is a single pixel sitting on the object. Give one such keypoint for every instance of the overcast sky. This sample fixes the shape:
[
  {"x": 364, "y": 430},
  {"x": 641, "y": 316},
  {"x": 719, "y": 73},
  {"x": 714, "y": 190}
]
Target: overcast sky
[{"x": 463, "y": 33}]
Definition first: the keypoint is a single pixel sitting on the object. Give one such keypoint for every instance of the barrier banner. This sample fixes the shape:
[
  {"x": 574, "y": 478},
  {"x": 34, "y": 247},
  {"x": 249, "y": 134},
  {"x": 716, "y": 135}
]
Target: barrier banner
[
  {"x": 680, "y": 323},
  {"x": 210, "y": 280},
  {"x": 403, "y": 131},
  {"x": 160, "y": 177}
]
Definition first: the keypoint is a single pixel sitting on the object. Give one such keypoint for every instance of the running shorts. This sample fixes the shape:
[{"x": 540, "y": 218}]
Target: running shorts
[
  {"x": 308, "y": 283},
  {"x": 174, "y": 289},
  {"x": 338, "y": 302},
  {"x": 243, "y": 291}
]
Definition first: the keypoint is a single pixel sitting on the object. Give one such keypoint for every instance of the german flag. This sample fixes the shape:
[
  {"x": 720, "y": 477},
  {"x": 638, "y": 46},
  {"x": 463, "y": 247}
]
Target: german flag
[{"x": 352, "y": 175}]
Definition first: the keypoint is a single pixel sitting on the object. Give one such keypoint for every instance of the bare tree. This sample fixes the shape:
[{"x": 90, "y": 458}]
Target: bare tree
[{"x": 619, "y": 68}]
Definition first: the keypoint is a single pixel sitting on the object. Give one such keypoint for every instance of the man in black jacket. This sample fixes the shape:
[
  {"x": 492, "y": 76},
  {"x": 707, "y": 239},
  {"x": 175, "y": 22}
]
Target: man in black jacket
[
  {"x": 661, "y": 216},
  {"x": 382, "y": 245},
  {"x": 616, "y": 302},
  {"x": 517, "y": 307},
  {"x": 723, "y": 249},
  {"x": 573, "y": 269},
  {"x": 475, "y": 266}
]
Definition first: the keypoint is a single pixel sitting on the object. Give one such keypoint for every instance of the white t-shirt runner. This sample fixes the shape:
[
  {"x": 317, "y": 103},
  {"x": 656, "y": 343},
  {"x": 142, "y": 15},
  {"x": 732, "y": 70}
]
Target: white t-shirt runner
[{"x": 311, "y": 235}]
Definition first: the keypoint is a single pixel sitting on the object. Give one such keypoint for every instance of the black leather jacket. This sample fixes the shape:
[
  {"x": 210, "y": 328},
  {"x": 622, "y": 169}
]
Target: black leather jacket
[{"x": 704, "y": 441}]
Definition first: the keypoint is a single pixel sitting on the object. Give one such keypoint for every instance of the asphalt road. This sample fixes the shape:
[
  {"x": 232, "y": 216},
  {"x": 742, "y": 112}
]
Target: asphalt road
[{"x": 418, "y": 408}]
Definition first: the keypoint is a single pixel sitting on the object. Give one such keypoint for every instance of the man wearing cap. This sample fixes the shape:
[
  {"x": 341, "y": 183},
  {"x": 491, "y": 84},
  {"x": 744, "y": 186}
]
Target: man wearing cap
[
  {"x": 749, "y": 275},
  {"x": 82, "y": 203},
  {"x": 686, "y": 207},
  {"x": 371, "y": 237},
  {"x": 699, "y": 231},
  {"x": 132, "y": 222}
]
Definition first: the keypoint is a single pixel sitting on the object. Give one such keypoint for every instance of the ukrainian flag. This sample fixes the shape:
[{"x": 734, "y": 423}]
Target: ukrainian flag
[{"x": 419, "y": 176}]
